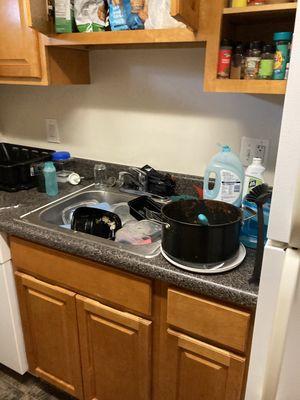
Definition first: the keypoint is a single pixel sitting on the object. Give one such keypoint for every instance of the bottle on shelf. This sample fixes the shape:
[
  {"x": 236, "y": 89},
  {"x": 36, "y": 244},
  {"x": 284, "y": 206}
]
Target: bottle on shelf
[
  {"x": 225, "y": 54},
  {"x": 239, "y": 3},
  {"x": 252, "y": 60},
  {"x": 237, "y": 62},
  {"x": 267, "y": 62},
  {"x": 283, "y": 45}
]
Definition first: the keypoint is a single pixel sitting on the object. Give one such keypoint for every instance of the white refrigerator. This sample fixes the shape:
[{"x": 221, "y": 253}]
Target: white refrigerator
[{"x": 274, "y": 372}]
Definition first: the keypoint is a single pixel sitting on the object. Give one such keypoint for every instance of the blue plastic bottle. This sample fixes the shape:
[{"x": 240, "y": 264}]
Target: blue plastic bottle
[
  {"x": 50, "y": 179},
  {"x": 228, "y": 171}
]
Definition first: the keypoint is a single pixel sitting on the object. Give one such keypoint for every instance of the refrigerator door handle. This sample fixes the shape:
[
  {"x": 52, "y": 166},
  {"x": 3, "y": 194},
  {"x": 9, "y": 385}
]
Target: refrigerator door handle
[{"x": 287, "y": 291}]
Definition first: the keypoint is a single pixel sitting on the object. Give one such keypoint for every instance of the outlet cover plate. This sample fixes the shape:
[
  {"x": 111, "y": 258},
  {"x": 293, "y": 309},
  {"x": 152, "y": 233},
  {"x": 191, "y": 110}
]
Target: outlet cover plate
[
  {"x": 252, "y": 147},
  {"x": 52, "y": 131}
]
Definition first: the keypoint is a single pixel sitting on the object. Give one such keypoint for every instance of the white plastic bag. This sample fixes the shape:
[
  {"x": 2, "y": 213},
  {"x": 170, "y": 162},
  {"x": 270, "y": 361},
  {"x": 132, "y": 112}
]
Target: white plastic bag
[{"x": 159, "y": 16}]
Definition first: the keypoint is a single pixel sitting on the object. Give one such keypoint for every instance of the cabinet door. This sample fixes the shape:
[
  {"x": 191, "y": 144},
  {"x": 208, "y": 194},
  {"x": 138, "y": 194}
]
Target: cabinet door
[
  {"x": 50, "y": 332},
  {"x": 19, "y": 46},
  {"x": 186, "y": 11},
  {"x": 202, "y": 371},
  {"x": 115, "y": 352}
]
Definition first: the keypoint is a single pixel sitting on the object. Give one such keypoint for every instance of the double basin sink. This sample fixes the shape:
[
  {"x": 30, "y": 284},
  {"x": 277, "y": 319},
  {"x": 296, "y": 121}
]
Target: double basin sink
[{"x": 51, "y": 217}]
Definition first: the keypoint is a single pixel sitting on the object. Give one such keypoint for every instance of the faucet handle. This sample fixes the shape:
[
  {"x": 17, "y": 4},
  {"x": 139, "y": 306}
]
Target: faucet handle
[{"x": 142, "y": 177}]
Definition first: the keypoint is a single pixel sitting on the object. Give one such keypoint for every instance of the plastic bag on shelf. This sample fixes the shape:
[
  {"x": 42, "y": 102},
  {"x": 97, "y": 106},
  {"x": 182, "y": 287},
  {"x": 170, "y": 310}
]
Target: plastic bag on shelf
[
  {"x": 90, "y": 15},
  {"x": 136, "y": 13},
  {"x": 159, "y": 16},
  {"x": 117, "y": 15}
]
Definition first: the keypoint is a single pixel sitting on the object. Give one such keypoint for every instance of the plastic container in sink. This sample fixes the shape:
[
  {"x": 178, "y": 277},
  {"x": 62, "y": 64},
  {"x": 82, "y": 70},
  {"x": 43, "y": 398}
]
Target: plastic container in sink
[
  {"x": 96, "y": 222},
  {"x": 144, "y": 207},
  {"x": 139, "y": 233}
]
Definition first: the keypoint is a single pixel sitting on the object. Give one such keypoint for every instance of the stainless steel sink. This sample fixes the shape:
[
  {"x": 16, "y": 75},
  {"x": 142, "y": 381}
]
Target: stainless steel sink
[{"x": 50, "y": 217}]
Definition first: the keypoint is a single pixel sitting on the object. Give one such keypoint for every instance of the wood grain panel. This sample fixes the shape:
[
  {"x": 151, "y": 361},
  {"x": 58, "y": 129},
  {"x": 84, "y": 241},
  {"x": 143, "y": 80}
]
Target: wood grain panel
[
  {"x": 115, "y": 351},
  {"x": 186, "y": 11},
  {"x": 216, "y": 322},
  {"x": 50, "y": 331},
  {"x": 19, "y": 46},
  {"x": 205, "y": 372},
  {"x": 83, "y": 276}
]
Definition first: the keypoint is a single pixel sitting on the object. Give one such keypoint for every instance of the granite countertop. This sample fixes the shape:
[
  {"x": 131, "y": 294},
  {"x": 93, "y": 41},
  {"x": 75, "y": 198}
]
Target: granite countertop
[{"x": 232, "y": 286}]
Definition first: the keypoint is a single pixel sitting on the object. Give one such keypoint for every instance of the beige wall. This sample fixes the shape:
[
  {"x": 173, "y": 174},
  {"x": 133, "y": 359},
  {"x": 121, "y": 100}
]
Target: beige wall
[{"x": 143, "y": 106}]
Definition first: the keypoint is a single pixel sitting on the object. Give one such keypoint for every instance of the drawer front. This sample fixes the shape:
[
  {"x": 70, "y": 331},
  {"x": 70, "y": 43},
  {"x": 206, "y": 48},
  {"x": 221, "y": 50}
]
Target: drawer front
[
  {"x": 83, "y": 276},
  {"x": 213, "y": 321}
]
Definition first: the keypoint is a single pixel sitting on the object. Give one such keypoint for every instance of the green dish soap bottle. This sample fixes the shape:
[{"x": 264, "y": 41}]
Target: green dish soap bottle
[{"x": 228, "y": 171}]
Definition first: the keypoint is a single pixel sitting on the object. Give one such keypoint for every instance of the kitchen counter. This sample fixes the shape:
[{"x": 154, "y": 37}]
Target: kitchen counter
[{"x": 232, "y": 286}]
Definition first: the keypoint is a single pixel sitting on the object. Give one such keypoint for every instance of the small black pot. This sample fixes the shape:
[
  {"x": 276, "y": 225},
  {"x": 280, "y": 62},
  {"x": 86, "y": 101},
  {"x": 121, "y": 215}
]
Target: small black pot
[{"x": 185, "y": 238}]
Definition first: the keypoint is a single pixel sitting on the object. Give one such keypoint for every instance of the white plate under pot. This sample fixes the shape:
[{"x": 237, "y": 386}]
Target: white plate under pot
[{"x": 228, "y": 265}]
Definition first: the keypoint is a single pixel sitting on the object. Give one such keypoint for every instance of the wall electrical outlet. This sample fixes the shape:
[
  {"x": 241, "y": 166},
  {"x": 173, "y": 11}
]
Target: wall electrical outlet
[
  {"x": 52, "y": 131},
  {"x": 251, "y": 148}
]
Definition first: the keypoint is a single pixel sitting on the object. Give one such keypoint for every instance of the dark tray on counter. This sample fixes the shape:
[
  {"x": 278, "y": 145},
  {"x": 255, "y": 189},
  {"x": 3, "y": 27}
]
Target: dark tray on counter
[{"x": 16, "y": 166}]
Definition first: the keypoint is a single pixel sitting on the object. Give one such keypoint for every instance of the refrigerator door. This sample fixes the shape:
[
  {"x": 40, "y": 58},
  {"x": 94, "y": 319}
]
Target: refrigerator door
[
  {"x": 271, "y": 372},
  {"x": 285, "y": 209},
  {"x": 12, "y": 349}
]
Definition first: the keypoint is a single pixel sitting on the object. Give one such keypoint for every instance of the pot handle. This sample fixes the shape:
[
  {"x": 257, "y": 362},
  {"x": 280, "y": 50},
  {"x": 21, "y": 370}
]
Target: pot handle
[
  {"x": 250, "y": 211},
  {"x": 165, "y": 224}
]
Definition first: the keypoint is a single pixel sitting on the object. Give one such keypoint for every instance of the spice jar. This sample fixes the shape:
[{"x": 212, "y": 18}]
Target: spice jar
[
  {"x": 252, "y": 60},
  {"x": 225, "y": 54},
  {"x": 283, "y": 43},
  {"x": 267, "y": 62},
  {"x": 239, "y": 3},
  {"x": 237, "y": 62}
]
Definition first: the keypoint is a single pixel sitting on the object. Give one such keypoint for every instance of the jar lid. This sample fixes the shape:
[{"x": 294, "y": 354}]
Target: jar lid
[
  {"x": 283, "y": 36},
  {"x": 269, "y": 48},
  {"x": 61, "y": 155},
  {"x": 255, "y": 45},
  {"x": 226, "y": 43}
]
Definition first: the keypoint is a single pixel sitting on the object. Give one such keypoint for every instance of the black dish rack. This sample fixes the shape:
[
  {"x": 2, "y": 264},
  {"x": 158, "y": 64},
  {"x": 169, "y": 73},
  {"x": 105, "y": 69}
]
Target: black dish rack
[{"x": 16, "y": 166}]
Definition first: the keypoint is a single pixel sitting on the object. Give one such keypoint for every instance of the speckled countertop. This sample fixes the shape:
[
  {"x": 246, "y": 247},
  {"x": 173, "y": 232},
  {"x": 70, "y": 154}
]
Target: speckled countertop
[{"x": 232, "y": 286}]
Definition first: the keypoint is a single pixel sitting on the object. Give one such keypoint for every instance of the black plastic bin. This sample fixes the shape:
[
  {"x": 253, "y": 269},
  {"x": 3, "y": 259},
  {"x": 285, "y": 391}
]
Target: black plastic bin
[{"x": 16, "y": 166}]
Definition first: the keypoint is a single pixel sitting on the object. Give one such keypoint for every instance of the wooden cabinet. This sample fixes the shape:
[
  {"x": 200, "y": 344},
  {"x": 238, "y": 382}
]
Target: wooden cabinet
[
  {"x": 186, "y": 11},
  {"x": 202, "y": 371},
  {"x": 101, "y": 334},
  {"x": 115, "y": 351},
  {"x": 24, "y": 58},
  {"x": 50, "y": 331},
  {"x": 191, "y": 12},
  {"x": 245, "y": 24},
  {"x": 19, "y": 45}
]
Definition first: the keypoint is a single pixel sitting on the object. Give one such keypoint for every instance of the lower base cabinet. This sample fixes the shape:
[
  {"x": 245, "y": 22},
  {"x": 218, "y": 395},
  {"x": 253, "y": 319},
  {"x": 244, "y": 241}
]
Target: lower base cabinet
[
  {"x": 50, "y": 331},
  {"x": 135, "y": 340},
  {"x": 202, "y": 371},
  {"x": 116, "y": 352}
]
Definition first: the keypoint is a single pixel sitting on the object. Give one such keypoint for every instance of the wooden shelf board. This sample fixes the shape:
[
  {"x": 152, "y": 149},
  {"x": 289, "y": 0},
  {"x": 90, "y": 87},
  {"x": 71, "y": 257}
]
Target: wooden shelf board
[
  {"x": 125, "y": 38},
  {"x": 281, "y": 7},
  {"x": 247, "y": 86}
]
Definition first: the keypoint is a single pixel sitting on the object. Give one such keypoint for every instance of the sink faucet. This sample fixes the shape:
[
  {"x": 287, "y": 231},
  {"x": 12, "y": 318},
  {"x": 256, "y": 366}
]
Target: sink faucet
[{"x": 136, "y": 176}]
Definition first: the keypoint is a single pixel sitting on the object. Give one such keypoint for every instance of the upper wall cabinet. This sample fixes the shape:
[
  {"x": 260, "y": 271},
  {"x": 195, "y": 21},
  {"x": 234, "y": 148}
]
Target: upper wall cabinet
[
  {"x": 23, "y": 57},
  {"x": 19, "y": 45},
  {"x": 245, "y": 24},
  {"x": 187, "y": 11}
]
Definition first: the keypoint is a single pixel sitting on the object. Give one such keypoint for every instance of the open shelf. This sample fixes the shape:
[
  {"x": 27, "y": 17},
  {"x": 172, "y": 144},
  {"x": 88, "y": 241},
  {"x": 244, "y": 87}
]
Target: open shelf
[
  {"x": 126, "y": 38},
  {"x": 263, "y": 14},
  {"x": 248, "y": 86},
  {"x": 281, "y": 7}
]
